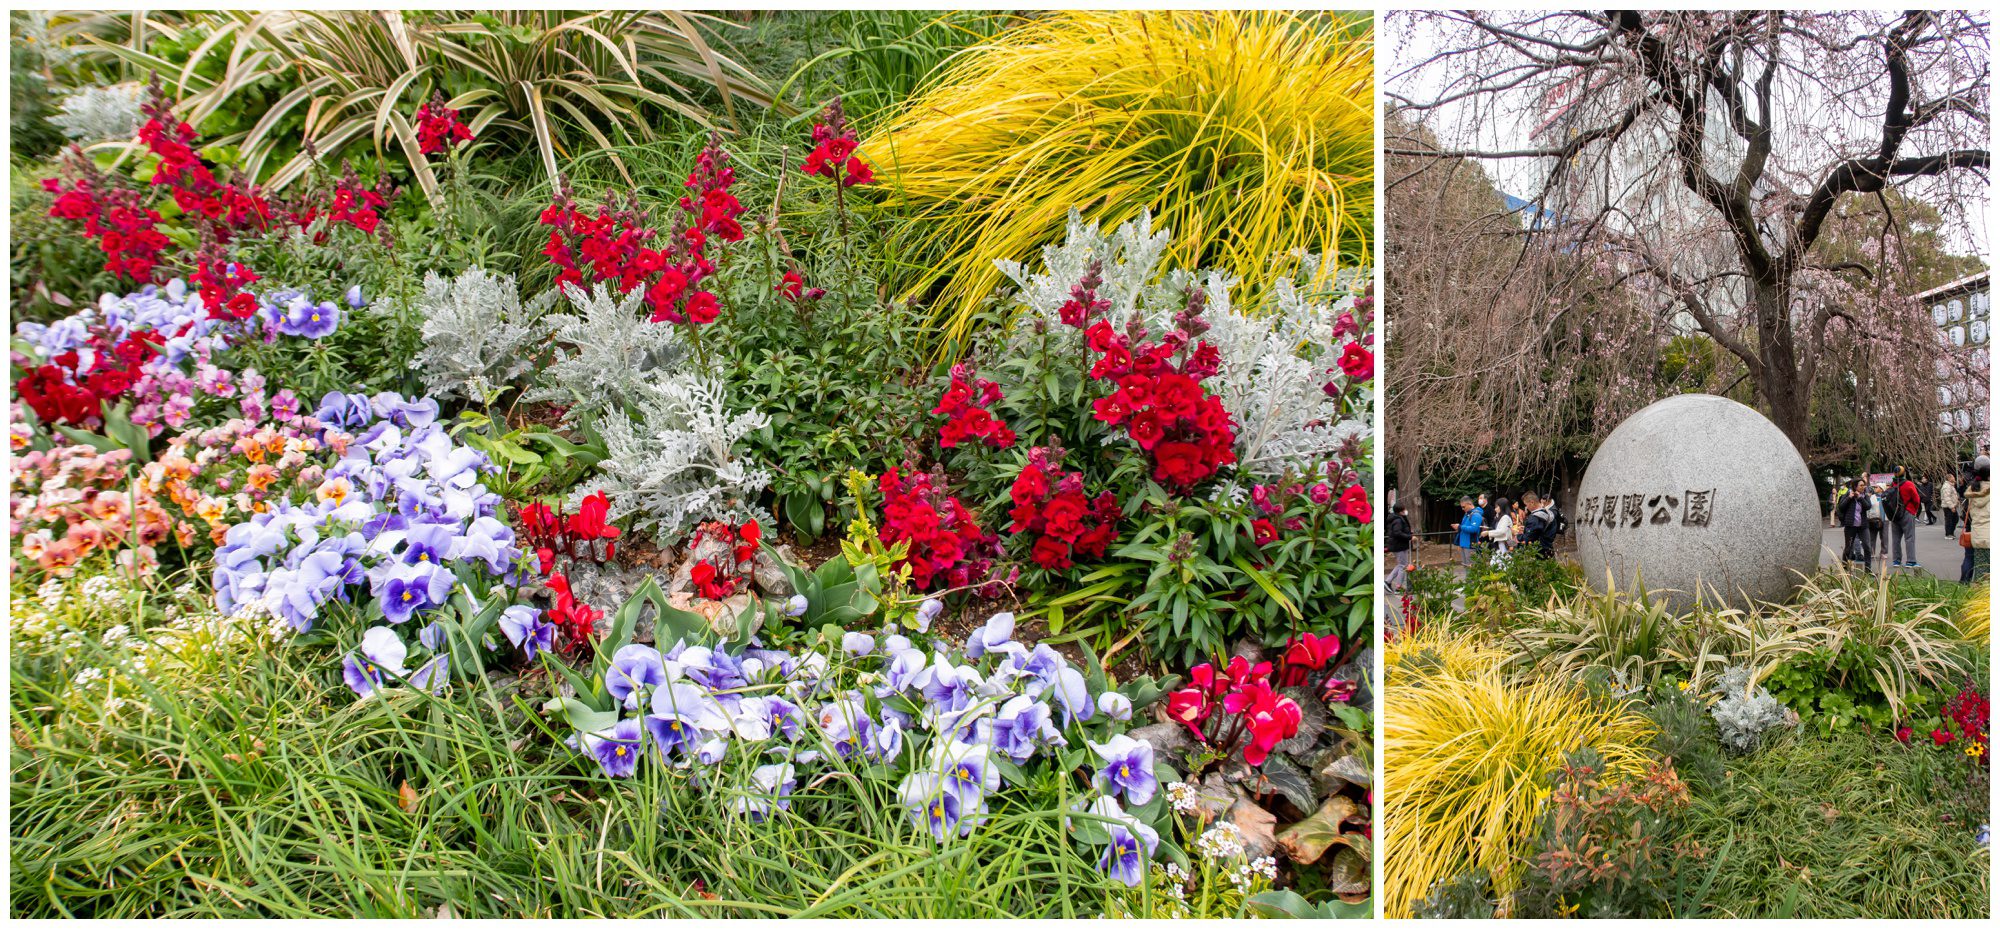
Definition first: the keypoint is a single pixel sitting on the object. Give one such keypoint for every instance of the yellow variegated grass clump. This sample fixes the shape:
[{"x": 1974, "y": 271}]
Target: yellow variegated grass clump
[
  {"x": 1248, "y": 134},
  {"x": 1468, "y": 755},
  {"x": 1976, "y": 623}
]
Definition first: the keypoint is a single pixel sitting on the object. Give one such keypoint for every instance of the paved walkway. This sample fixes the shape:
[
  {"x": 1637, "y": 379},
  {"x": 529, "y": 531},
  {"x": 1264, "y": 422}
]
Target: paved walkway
[{"x": 1939, "y": 554}]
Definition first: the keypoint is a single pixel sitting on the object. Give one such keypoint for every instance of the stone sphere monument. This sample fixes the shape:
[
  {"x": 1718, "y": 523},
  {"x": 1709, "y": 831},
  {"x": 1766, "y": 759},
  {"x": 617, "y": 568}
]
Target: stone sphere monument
[{"x": 1698, "y": 494}]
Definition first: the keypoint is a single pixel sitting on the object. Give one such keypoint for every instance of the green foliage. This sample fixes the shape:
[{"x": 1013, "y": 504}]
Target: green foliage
[
  {"x": 1859, "y": 814},
  {"x": 1607, "y": 849},
  {"x": 549, "y": 82},
  {"x": 51, "y": 269},
  {"x": 533, "y": 461},
  {"x": 838, "y": 384},
  {"x": 29, "y": 101},
  {"x": 1210, "y": 583},
  {"x": 1684, "y": 735},
  {"x": 880, "y": 58}
]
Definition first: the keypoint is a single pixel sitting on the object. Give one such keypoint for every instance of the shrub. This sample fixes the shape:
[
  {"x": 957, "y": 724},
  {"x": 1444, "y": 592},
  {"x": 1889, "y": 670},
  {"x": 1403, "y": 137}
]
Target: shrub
[
  {"x": 1607, "y": 849},
  {"x": 1260, "y": 145},
  {"x": 1684, "y": 734},
  {"x": 536, "y": 80},
  {"x": 608, "y": 356},
  {"x": 479, "y": 337},
  {"x": 1466, "y": 759},
  {"x": 679, "y": 463},
  {"x": 1744, "y": 711}
]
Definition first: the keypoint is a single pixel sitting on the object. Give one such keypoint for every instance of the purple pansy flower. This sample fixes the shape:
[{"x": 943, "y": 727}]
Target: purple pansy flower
[
  {"x": 771, "y": 784},
  {"x": 1125, "y": 768},
  {"x": 524, "y": 626},
  {"x": 617, "y": 748},
  {"x": 381, "y": 655},
  {"x": 635, "y": 670},
  {"x": 1132, "y": 844},
  {"x": 999, "y": 629}
]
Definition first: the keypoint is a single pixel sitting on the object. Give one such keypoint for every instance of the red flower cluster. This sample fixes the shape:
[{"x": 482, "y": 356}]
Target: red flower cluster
[
  {"x": 616, "y": 244},
  {"x": 118, "y": 217},
  {"x": 1972, "y": 713},
  {"x": 1253, "y": 715},
  {"x": 69, "y": 390},
  {"x": 946, "y": 542},
  {"x": 710, "y": 207},
  {"x": 221, "y": 282},
  {"x": 1050, "y": 501},
  {"x": 550, "y": 533},
  {"x": 123, "y": 226},
  {"x": 356, "y": 205},
  {"x": 1160, "y": 400},
  {"x": 575, "y": 620},
  {"x": 438, "y": 126},
  {"x": 193, "y": 186},
  {"x": 716, "y": 582},
  {"x": 793, "y": 288},
  {"x": 833, "y": 155},
  {"x": 965, "y": 403}
]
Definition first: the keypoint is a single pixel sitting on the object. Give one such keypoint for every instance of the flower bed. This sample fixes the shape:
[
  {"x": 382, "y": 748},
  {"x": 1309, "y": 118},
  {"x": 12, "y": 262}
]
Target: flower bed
[{"x": 601, "y": 511}]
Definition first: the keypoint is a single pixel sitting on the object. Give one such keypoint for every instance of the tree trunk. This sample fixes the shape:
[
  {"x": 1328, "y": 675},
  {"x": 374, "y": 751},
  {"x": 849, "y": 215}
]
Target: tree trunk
[
  {"x": 1786, "y": 392},
  {"x": 1409, "y": 484}
]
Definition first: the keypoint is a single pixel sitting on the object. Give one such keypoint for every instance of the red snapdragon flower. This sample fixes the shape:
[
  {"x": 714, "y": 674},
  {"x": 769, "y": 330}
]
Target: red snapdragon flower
[
  {"x": 946, "y": 543},
  {"x": 438, "y": 126},
  {"x": 1158, "y": 397},
  {"x": 833, "y": 155},
  {"x": 1356, "y": 362},
  {"x": 1049, "y": 502},
  {"x": 965, "y": 404}
]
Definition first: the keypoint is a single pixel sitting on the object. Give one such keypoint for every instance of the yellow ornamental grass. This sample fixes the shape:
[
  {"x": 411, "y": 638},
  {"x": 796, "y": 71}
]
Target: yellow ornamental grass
[
  {"x": 1976, "y": 623},
  {"x": 1248, "y": 134},
  {"x": 1467, "y": 762}
]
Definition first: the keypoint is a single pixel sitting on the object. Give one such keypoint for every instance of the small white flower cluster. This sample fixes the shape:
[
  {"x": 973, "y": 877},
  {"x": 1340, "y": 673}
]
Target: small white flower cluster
[
  {"x": 102, "y": 594},
  {"x": 1222, "y": 841},
  {"x": 51, "y": 595},
  {"x": 1247, "y": 873},
  {"x": 1183, "y": 796}
]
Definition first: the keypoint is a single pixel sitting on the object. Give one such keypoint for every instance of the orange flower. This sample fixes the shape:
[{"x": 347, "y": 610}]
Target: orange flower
[
  {"x": 262, "y": 477},
  {"x": 212, "y": 509},
  {"x": 334, "y": 490}
]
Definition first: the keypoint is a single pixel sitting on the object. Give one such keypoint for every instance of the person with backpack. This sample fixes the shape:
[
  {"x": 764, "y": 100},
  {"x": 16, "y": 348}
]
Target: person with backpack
[
  {"x": 1541, "y": 525},
  {"x": 1470, "y": 523},
  {"x": 1852, "y": 515},
  {"x": 1878, "y": 520},
  {"x": 1903, "y": 511},
  {"x": 1399, "y": 546}
]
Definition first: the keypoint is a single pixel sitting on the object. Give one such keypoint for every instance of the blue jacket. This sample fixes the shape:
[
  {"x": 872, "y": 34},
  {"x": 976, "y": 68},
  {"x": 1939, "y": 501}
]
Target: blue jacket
[{"x": 1469, "y": 528}]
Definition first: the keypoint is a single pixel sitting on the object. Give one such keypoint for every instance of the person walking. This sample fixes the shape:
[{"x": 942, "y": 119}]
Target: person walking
[
  {"x": 1470, "y": 523},
  {"x": 1399, "y": 547},
  {"x": 1852, "y": 517},
  {"x": 1928, "y": 491},
  {"x": 1840, "y": 491},
  {"x": 1501, "y": 535},
  {"x": 1903, "y": 510},
  {"x": 1977, "y": 536},
  {"x": 1948, "y": 503}
]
